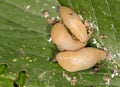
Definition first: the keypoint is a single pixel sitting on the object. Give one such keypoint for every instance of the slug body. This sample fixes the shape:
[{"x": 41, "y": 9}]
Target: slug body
[
  {"x": 63, "y": 39},
  {"x": 73, "y": 22},
  {"x": 80, "y": 60}
]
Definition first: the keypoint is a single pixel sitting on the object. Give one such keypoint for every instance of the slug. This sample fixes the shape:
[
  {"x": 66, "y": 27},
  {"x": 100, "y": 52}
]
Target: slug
[
  {"x": 73, "y": 23},
  {"x": 63, "y": 39},
  {"x": 82, "y": 59}
]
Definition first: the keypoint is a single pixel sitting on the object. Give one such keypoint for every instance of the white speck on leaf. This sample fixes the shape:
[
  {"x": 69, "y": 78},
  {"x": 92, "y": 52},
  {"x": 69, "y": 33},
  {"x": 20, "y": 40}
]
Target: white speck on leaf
[
  {"x": 53, "y": 7},
  {"x": 27, "y": 58},
  {"x": 42, "y": 74},
  {"x": 51, "y": 20},
  {"x": 30, "y": 60},
  {"x": 73, "y": 81},
  {"x": 54, "y": 69},
  {"x": 114, "y": 73},
  {"x": 27, "y": 7},
  {"x": 53, "y": 73},
  {"x": 43, "y": 48},
  {"x": 11, "y": 53},
  {"x": 14, "y": 60},
  {"x": 27, "y": 64},
  {"x": 94, "y": 41},
  {"x": 80, "y": 16},
  {"x": 112, "y": 26},
  {"x": 68, "y": 78},
  {"x": 64, "y": 75},
  {"x": 58, "y": 18},
  {"x": 45, "y": 13},
  {"x": 107, "y": 79},
  {"x": 114, "y": 55},
  {"x": 98, "y": 45},
  {"x": 50, "y": 39},
  {"x": 50, "y": 77}
]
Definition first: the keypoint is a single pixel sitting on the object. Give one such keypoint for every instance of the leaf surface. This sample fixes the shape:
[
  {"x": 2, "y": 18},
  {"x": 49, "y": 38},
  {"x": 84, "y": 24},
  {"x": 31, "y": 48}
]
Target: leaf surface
[{"x": 25, "y": 46}]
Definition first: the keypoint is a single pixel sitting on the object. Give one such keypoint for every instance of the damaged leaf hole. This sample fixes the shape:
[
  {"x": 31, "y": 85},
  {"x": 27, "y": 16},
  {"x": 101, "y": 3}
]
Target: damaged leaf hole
[
  {"x": 88, "y": 86},
  {"x": 20, "y": 81},
  {"x": 21, "y": 78},
  {"x": 15, "y": 84}
]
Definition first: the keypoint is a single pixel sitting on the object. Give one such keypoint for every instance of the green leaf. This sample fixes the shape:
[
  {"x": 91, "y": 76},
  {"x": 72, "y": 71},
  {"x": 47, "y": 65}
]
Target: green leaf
[
  {"x": 25, "y": 45},
  {"x": 2, "y": 68},
  {"x": 6, "y": 82},
  {"x": 21, "y": 78}
]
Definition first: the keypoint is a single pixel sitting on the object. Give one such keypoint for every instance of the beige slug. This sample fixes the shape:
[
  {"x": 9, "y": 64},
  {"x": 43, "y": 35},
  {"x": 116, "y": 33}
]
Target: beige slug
[
  {"x": 63, "y": 39},
  {"x": 80, "y": 60},
  {"x": 73, "y": 22}
]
